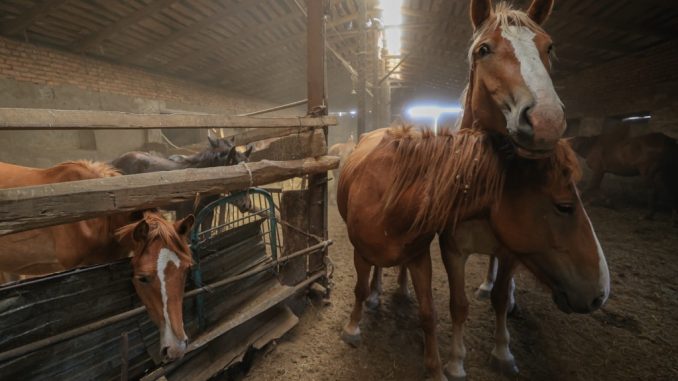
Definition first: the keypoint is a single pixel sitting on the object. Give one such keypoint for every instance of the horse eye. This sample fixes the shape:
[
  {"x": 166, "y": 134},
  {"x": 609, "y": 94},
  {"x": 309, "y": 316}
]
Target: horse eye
[
  {"x": 484, "y": 50},
  {"x": 145, "y": 279},
  {"x": 549, "y": 50},
  {"x": 566, "y": 209}
]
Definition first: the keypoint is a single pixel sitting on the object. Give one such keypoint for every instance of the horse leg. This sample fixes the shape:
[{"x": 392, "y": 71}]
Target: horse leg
[
  {"x": 484, "y": 290},
  {"x": 502, "y": 358},
  {"x": 402, "y": 282},
  {"x": 372, "y": 301},
  {"x": 420, "y": 269},
  {"x": 455, "y": 262},
  {"x": 351, "y": 332}
]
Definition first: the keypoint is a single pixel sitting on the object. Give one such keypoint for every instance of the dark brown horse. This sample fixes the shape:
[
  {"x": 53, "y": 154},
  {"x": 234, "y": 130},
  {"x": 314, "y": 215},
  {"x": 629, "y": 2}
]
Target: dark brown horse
[
  {"x": 221, "y": 152},
  {"x": 654, "y": 157},
  {"x": 400, "y": 188}
]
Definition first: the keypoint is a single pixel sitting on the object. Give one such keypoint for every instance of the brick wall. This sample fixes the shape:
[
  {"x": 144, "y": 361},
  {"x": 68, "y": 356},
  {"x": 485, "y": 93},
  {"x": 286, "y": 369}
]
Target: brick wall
[
  {"x": 38, "y": 77},
  {"x": 39, "y": 65}
]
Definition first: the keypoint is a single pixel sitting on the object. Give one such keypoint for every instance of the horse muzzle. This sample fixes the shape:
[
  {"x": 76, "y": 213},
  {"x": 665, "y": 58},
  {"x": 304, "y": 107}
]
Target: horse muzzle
[
  {"x": 535, "y": 129},
  {"x": 173, "y": 352},
  {"x": 569, "y": 305}
]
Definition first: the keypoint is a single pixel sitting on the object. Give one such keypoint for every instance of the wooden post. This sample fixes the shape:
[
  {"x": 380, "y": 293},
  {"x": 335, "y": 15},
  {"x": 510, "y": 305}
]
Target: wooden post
[
  {"x": 361, "y": 86},
  {"x": 317, "y": 103},
  {"x": 376, "y": 76}
]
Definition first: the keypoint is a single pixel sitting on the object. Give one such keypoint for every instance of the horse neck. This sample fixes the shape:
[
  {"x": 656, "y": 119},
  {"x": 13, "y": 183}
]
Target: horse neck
[{"x": 201, "y": 160}]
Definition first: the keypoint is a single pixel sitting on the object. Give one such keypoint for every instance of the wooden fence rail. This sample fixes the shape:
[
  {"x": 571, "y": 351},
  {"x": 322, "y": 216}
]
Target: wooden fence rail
[
  {"x": 47, "y": 119},
  {"x": 39, "y": 206}
]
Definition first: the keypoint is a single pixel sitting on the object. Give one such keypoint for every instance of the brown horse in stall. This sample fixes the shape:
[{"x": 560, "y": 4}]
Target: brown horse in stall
[
  {"x": 510, "y": 93},
  {"x": 56, "y": 248},
  {"x": 161, "y": 255},
  {"x": 161, "y": 259},
  {"x": 654, "y": 157}
]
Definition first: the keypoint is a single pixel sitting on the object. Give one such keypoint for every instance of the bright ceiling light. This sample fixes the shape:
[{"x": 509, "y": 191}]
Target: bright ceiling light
[{"x": 432, "y": 112}]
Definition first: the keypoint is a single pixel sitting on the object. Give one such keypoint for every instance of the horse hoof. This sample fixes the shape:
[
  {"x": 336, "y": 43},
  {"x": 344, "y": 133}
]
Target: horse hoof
[
  {"x": 506, "y": 368},
  {"x": 352, "y": 340},
  {"x": 514, "y": 310},
  {"x": 483, "y": 294},
  {"x": 454, "y": 375},
  {"x": 372, "y": 303}
]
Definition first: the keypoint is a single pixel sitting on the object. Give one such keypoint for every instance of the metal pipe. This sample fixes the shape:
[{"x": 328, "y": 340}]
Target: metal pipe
[
  {"x": 276, "y": 108},
  {"x": 36, "y": 345}
]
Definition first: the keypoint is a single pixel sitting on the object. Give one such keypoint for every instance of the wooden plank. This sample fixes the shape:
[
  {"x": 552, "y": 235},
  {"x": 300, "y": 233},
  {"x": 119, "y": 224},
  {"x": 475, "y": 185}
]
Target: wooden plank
[
  {"x": 294, "y": 206},
  {"x": 33, "y": 207},
  {"x": 47, "y": 119},
  {"x": 293, "y": 147},
  {"x": 125, "y": 22},
  {"x": 24, "y": 21}
]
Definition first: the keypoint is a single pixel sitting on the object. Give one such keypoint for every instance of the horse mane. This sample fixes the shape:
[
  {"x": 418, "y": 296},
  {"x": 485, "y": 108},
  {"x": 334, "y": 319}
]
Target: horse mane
[
  {"x": 160, "y": 228},
  {"x": 455, "y": 174},
  {"x": 96, "y": 168}
]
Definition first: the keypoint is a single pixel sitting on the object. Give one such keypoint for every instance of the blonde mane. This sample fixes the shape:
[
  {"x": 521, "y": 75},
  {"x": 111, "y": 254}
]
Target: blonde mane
[
  {"x": 161, "y": 229},
  {"x": 454, "y": 174}
]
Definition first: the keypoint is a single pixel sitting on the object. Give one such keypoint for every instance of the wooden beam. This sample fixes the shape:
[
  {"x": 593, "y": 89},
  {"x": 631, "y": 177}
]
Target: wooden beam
[
  {"x": 39, "y": 206},
  {"x": 45, "y": 119},
  {"x": 125, "y": 22},
  {"x": 25, "y": 20}
]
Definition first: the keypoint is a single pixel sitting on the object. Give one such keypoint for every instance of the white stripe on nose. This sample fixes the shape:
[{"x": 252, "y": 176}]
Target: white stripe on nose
[
  {"x": 532, "y": 68},
  {"x": 166, "y": 257}
]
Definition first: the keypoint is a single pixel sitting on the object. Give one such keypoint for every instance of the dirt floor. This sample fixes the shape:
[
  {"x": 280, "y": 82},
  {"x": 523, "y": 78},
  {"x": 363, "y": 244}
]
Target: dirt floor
[{"x": 634, "y": 337}]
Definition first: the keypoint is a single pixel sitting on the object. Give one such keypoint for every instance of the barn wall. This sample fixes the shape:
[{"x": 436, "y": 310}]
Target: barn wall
[
  {"x": 40, "y": 77},
  {"x": 643, "y": 82}
]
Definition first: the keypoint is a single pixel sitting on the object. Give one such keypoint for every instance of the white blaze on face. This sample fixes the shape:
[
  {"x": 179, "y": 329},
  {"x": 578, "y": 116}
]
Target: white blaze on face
[
  {"x": 602, "y": 264},
  {"x": 165, "y": 257},
  {"x": 532, "y": 68}
]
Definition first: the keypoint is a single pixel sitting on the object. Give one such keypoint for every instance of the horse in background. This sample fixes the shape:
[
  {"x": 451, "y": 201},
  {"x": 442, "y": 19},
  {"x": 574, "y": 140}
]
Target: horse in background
[
  {"x": 342, "y": 150},
  {"x": 220, "y": 152},
  {"x": 160, "y": 261},
  {"x": 56, "y": 248},
  {"x": 654, "y": 157}
]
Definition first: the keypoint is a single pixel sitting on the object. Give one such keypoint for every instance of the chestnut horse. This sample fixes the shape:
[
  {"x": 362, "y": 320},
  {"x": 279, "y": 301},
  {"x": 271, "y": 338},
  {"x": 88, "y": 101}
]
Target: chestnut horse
[
  {"x": 400, "y": 188},
  {"x": 161, "y": 259},
  {"x": 56, "y": 248},
  {"x": 652, "y": 156}
]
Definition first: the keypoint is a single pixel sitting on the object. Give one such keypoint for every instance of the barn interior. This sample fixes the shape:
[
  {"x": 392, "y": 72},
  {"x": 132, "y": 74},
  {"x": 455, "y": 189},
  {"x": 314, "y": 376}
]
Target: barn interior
[{"x": 615, "y": 72}]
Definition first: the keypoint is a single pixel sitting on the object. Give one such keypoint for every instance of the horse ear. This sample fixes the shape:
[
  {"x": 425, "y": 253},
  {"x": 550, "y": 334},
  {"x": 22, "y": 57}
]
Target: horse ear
[
  {"x": 231, "y": 140},
  {"x": 540, "y": 10},
  {"x": 481, "y": 10},
  {"x": 214, "y": 143},
  {"x": 140, "y": 232},
  {"x": 248, "y": 151},
  {"x": 183, "y": 227}
]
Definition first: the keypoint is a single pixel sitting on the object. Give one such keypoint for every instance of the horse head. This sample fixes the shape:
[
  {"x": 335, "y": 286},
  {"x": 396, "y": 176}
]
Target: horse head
[
  {"x": 541, "y": 219},
  {"x": 160, "y": 263},
  {"x": 510, "y": 89}
]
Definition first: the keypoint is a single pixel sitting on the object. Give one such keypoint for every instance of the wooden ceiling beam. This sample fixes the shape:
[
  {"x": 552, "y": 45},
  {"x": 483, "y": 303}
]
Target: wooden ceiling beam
[
  {"x": 140, "y": 55},
  {"x": 123, "y": 23},
  {"x": 25, "y": 20}
]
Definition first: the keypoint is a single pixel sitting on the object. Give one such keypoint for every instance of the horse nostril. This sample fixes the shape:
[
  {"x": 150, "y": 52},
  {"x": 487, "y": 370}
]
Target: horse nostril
[
  {"x": 597, "y": 302},
  {"x": 164, "y": 353}
]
